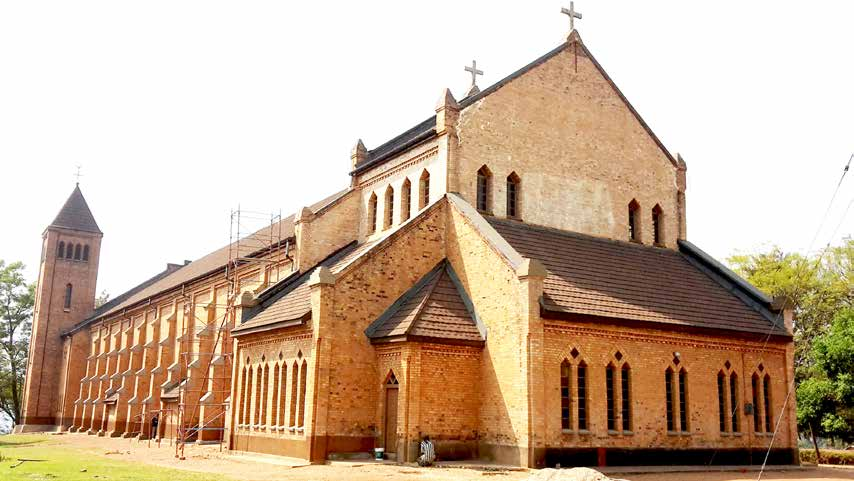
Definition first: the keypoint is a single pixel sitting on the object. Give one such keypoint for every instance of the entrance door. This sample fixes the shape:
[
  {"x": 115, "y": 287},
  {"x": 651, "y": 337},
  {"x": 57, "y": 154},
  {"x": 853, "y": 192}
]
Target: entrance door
[{"x": 391, "y": 419}]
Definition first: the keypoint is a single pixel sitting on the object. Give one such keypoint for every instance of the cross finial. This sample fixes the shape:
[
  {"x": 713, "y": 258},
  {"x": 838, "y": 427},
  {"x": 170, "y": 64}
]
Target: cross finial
[
  {"x": 77, "y": 174},
  {"x": 572, "y": 14},
  {"x": 474, "y": 72}
]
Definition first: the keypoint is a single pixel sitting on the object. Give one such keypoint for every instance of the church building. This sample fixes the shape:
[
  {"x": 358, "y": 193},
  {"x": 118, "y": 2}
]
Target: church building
[{"x": 511, "y": 277}]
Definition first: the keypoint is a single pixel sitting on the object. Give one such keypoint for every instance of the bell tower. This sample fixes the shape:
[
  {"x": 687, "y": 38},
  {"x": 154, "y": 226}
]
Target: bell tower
[{"x": 65, "y": 296}]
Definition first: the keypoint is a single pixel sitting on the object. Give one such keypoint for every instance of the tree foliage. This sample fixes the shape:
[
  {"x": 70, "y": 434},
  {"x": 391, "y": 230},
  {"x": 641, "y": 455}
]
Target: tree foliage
[
  {"x": 16, "y": 310},
  {"x": 821, "y": 290}
]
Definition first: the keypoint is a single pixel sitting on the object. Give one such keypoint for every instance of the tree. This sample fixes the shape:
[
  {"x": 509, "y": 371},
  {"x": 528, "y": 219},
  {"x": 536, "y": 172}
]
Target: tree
[
  {"x": 16, "y": 309},
  {"x": 817, "y": 288},
  {"x": 826, "y": 397},
  {"x": 102, "y": 299}
]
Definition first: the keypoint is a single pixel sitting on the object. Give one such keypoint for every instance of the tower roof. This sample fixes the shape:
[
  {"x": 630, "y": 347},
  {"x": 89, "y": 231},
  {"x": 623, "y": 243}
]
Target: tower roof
[{"x": 75, "y": 214}]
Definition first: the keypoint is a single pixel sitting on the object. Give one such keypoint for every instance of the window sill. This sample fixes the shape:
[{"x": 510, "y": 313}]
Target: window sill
[
  {"x": 636, "y": 241},
  {"x": 678, "y": 433},
  {"x": 66, "y": 309},
  {"x": 612, "y": 432},
  {"x": 485, "y": 212},
  {"x": 659, "y": 244}
]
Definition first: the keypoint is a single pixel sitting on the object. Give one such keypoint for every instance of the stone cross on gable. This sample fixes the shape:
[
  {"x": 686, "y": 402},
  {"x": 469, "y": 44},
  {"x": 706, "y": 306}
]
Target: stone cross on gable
[
  {"x": 572, "y": 14},
  {"x": 474, "y": 72}
]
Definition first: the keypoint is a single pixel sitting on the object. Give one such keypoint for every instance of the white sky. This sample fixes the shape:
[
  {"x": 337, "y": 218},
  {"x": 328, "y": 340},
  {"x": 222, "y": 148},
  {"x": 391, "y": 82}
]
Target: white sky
[{"x": 179, "y": 111}]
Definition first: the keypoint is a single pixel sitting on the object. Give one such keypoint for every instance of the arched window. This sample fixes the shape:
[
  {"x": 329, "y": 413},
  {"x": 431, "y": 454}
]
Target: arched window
[
  {"x": 247, "y": 412},
  {"x": 668, "y": 393},
  {"x": 424, "y": 189},
  {"x": 609, "y": 397},
  {"x": 625, "y": 390},
  {"x": 60, "y": 251},
  {"x": 634, "y": 221},
  {"x": 514, "y": 184},
  {"x": 405, "y": 200},
  {"x": 766, "y": 398},
  {"x": 722, "y": 401},
  {"x": 565, "y": 396},
  {"x": 259, "y": 395},
  {"x": 734, "y": 401},
  {"x": 582, "y": 396},
  {"x": 86, "y": 252},
  {"x": 294, "y": 389},
  {"x": 683, "y": 400},
  {"x": 303, "y": 372},
  {"x": 67, "y": 303},
  {"x": 69, "y": 251},
  {"x": 389, "y": 208},
  {"x": 484, "y": 188},
  {"x": 657, "y": 225},
  {"x": 265, "y": 397},
  {"x": 77, "y": 252},
  {"x": 372, "y": 213},
  {"x": 241, "y": 419},
  {"x": 281, "y": 395},
  {"x": 754, "y": 384}
]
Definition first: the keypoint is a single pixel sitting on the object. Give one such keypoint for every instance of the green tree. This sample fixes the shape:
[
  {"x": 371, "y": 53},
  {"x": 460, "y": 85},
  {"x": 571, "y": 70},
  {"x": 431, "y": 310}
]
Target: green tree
[
  {"x": 826, "y": 397},
  {"x": 817, "y": 288},
  {"x": 16, "y": 310}
]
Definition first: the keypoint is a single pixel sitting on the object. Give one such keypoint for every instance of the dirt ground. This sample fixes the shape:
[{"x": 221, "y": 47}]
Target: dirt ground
[{"x": 209, "y": 459}]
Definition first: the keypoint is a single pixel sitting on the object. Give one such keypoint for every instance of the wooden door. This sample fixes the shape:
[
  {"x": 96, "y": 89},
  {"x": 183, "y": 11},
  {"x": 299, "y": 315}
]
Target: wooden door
[{"x": 391, "y": 419}]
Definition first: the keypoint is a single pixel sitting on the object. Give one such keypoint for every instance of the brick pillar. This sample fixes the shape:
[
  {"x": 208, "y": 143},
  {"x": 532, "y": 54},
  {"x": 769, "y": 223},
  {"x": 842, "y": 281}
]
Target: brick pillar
[
  {"x": 322, "y": 284},
  {"x": 447, "y": 115},
  {"x": 531, "y": 274}
]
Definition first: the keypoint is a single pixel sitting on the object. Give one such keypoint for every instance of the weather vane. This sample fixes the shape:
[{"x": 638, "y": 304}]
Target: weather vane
[{"x": 77, "y": 174}]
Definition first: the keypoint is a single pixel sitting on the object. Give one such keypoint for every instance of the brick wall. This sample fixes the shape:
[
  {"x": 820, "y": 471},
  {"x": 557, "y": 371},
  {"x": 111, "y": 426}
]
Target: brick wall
[{"x": 563, "y": 117}]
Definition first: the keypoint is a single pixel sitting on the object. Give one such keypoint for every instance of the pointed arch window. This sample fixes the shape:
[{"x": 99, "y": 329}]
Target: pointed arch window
[
  {"x": 683, "y": 400},
  {"x": 514, "y": 183},
  {"x": 668, "y": 393},
  {"x": 243, "y": 397},
  {"x": 609, "y": 397},
  {"x": 303, "y": 372},
  {"x": 405, "y": 200},
  {"x": 389, "y": 208},
  {"x": 565, "y": 395},
  {"x": 265, "y": 396},
  {"x": 766, "y": 400},
  {"x": 484, "y": 188},
  {"x": 625, "y": 391},
  {"x": 68, "y": 291},
  {"x": 424, "y": 189},
  {"x": 754, "y": 384},
  {"x": 60, "y": 251},
  {"x": 722, "y": 401},
  {"x": 581, "y": 377},
  {"x": 734, "y": 401},
  {"x": 259, "y": 393},
  {"x": 86, "y": 253},
  {"x": 658, "y": 225},
  {"x": 372, "y": 213},
  {"x": 77, "y": 252},
  {"x": 292, "y": 414},
  {"x": 634, "y": 221}
]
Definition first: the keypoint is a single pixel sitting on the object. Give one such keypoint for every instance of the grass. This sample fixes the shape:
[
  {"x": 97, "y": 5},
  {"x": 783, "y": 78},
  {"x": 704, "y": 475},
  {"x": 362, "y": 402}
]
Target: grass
[{"x": 67, "y": 464}]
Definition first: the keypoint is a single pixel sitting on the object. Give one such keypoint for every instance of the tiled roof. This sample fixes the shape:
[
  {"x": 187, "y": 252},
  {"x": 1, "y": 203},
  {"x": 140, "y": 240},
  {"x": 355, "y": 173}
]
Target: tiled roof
[
  {"x": 435, "y": 309},
  {"x": 210, "y": 263},
  {"x": 288, "y": 302},
  {"x": 622, "y": 280},
  {"x": 75, "y": 214}
]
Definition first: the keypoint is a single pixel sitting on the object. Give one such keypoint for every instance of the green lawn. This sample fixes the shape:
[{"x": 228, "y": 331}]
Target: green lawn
[{"x": 61, "y": 463}]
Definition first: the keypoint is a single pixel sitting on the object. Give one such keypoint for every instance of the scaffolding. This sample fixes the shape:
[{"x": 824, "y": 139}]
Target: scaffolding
[{"x": 205, "y": 356}]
